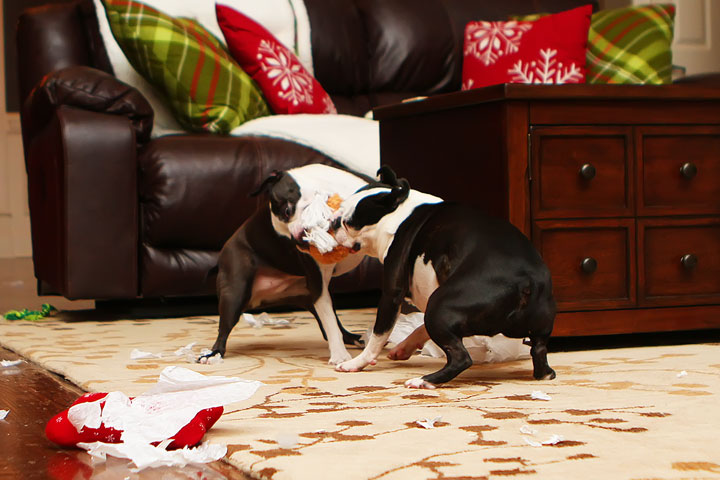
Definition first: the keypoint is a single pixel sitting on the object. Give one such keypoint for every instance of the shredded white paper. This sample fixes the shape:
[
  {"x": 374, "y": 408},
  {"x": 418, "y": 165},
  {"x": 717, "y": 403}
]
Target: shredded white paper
[
  {"x": 184, "y": 351},
  {"x": 160, "y": 412},
  {"x": 147, "y": 456},
  {"x": 482, "y": 349},
  {"x": 528, "y": 430},
  {"x": 10, "y": 363},
  {"x": 427, "y": 422},
  {"x": 538, "y": 395},
  {"x": 682, "y": 374},
  {"x": 138, "y": 354},
  {"x": 263, "y": 319},
  {"x": 315, "y": 219},
  {"x": 552, "y": 440},
  {"x": 3, "y": 414}
]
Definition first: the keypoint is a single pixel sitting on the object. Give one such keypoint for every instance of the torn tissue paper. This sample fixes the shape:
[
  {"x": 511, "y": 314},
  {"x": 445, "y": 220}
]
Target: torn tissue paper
[
  {"x": 10, "y": 363},
  {"x": 137, "y": 354},
  {"x": 482, "y": 349},
  {"x": 315, "y": 219},
  {"x": 538, "y": 395},
  {"x": 263, "y": 319},
  {"x": 428, "y": 423},
  {"x": 3, "y": 414},
  {"x": 159, "y": 413},
  {"x": 147, "y": 456}
]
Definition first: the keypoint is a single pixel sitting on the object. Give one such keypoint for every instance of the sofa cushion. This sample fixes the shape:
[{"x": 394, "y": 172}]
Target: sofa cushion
[
  {"x": 287, "y": 86},
  {"x": 195, "y": 190},
  {"x": 206, "y": 90},
  {"x": 631, "y": 45},
  {"x": 551, "y": 49}
]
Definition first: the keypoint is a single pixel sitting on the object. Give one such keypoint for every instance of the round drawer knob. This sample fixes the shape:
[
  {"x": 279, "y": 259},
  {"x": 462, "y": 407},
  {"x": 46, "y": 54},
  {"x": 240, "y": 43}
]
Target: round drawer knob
[
  {"x": 587, "y": 171},
  {"x": 588, "y": 265},
  {"x": 689, "y": 261},
  {"x": 688, "y": 170}
]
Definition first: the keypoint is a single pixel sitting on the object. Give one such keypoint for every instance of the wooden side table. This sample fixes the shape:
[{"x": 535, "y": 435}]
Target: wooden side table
[{"x": 618, "y": 187}]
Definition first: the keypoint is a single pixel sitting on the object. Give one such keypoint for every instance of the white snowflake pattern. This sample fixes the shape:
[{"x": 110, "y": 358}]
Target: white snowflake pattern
[
  {"x": 468, "y": 84},
  {"x": 487, "y": 41},
  {"x": 545, "y": 70},
  {"x": 295, "y": 85},
  {"x": 329, "y": 105}
]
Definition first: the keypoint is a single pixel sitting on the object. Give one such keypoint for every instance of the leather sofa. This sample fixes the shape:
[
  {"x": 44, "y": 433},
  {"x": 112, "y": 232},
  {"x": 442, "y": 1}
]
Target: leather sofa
[{"x": 118, "y": 215}]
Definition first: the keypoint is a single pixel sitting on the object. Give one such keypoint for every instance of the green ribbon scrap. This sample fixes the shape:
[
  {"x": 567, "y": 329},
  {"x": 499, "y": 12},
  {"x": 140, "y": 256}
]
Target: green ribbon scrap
[{"x": 32, "y": 315}]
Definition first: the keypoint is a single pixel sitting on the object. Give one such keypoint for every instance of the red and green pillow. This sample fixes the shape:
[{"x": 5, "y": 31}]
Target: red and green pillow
[
  {"x": 629, "y": 45},
  {"x": 288, "y": 87},
  {"x": 551, "y": 49},
  {"x": 205, "y": 88}
]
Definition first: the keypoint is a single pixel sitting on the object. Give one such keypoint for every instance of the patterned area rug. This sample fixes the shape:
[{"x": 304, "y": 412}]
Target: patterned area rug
[{"x": 635, "y": 413}]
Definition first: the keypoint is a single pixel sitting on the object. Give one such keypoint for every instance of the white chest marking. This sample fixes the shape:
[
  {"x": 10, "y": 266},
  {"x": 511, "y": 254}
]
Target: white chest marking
[{"x": 423, "y": 283}]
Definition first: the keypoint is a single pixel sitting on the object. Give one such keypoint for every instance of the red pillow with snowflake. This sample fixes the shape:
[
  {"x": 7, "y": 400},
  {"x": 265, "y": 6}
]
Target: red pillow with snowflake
[
  {"x": 287, "y": 86},
  {"x": 548, "y": 50}
]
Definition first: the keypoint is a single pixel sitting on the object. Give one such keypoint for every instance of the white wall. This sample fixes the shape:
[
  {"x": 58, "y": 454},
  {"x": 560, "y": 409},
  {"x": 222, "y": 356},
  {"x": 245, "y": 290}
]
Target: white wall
[{"x": 14, "y": 213}]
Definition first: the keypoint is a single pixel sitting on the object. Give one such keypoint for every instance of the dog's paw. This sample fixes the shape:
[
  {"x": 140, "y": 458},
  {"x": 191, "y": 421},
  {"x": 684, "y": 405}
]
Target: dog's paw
[
  {"x": 419, "y": 383},
  {"x": 210, "y": 358},
  {"x": 354, "y": 365},
  {"x": 338, "y": 358}
]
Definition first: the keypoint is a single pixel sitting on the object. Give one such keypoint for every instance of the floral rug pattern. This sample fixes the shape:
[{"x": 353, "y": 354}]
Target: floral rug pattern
[{"x": 632, "y": 413}]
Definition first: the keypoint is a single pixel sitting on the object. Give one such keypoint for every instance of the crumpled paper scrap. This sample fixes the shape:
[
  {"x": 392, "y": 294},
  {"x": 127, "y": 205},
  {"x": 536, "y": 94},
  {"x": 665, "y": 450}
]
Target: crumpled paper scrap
[
  {"x": 552, "y": 440},
  {"x": 159, "y": 413},
  {"x": 3, "y": 414},
  {"x": 262, "y": 319},
  {"x": 138, "y": 354},
  {"x": 10, "y": 363},
  {"x": 482, "y": 349},
  {"x": 682, "y": 374},
  {"x": 428, "y": 423},
  {"x": 528, "y": 430},
  {"x": 185, "y": 351},
  {"x": 538, "y": 395}
]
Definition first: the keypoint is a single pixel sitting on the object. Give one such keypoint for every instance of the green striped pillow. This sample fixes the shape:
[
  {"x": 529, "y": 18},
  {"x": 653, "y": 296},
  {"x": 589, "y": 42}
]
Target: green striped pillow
[
  {"x": 631, "y": 45},
  {"x": 206, "y": 89}
]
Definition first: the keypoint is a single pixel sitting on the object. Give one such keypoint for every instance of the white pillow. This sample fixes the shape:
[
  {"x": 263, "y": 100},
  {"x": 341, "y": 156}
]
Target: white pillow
[{"x": 278, "y": 16}]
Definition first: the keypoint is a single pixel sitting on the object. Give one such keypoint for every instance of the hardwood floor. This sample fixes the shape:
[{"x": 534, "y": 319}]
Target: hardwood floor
[{"x": 33, "y": 396}]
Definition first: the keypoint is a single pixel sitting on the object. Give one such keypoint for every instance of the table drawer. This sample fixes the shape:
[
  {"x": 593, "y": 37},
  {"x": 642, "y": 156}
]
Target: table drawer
[
  {"x": 581, "y": 172},
  {"x": 592, "y": 262},
  {"x": 680, "y": 261},
  {"x": 678, "y": 170}
]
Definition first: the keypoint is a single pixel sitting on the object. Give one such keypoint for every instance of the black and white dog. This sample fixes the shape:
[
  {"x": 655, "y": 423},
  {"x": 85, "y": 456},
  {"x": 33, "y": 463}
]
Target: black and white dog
[
  {"x": 470, "y": 274},
  {"x": 261, "y": 264}
]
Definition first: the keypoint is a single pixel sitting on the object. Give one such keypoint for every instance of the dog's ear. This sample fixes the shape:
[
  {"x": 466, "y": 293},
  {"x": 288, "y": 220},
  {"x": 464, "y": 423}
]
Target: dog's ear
[
  {"x": 387, "y": 176},
  {"x": 268, "y": 183},
  {"x": 399, "y": 193}
]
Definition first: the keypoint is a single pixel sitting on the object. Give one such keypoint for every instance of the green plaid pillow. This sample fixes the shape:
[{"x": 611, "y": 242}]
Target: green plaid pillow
[
  {"x": 631, "y": 45},
  {"x": 206, "y": 89},
  {"x": 628, "y": 45}
]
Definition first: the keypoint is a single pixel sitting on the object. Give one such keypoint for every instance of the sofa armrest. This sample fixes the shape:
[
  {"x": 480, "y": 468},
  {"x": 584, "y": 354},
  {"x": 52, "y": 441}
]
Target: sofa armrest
[
  {"x": 82, "y": 186},
  {"x": 89, "y": 89}
]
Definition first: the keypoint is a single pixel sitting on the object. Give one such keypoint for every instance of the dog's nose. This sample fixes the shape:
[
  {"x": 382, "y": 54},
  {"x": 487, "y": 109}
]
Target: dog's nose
[{"x": 356, "y": 247}]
